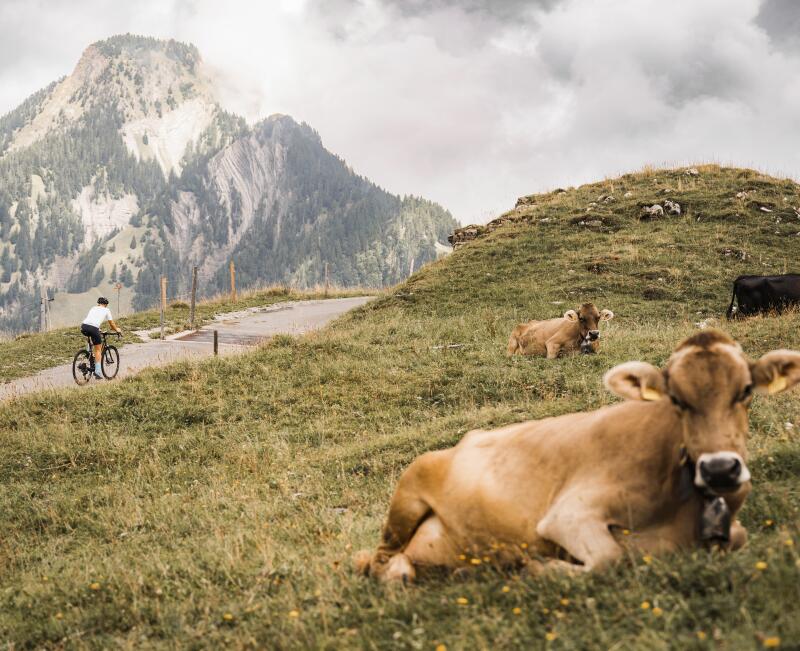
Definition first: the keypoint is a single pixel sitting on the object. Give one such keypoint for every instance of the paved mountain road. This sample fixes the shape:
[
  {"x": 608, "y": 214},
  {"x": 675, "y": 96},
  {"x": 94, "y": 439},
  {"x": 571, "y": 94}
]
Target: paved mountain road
[{"x": 237, "y": 331}]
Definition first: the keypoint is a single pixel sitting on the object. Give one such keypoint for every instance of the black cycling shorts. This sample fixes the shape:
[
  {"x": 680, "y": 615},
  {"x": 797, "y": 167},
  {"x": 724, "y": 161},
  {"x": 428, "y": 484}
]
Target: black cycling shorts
[{"x": 93, "y": 332}]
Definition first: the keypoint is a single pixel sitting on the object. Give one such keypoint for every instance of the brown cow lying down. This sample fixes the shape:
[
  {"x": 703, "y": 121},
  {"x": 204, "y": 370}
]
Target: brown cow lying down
[
  {"x": 578, "y": 330},
  {"x": 567, "y": 489}
]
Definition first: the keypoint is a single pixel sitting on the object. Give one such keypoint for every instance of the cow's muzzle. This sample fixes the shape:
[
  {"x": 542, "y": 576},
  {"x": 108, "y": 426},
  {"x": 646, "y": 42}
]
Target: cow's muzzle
[
  {"x": 593, "y": 335},
  {"x": 720, "y": 472}
]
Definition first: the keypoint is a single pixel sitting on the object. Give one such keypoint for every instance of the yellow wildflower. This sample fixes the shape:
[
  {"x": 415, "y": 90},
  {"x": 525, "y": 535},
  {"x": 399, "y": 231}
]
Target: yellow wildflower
[
  {"x": 761, "y": 565},
  {"x": 701, "y": 635},
  {"x": 294, "y": 613},
  {"x": 94, "y": 586},
  {"x": 647, "y": 559},
  {"x": 772, "y": 642},
  {"x": 462, "y": 601},
  {"x": 475, "y": 561},
  {"x": 788, "y": 542},
  {"x": 59, "y": 615},
  {"x": 645, "y": 605},
  {"x": 768, "y": 523},
  {"x": 550, "y": 636},
  {"x": 228, "y": 617},
  {"x": 626, "y": 532},
  {"x": 517, "y": 611},
  {"x": 524, "y": 545},
  {"x": 565, "y": 601},
  {"x": 441, "y": 647},
  {"x": 462, "y": 557},
  {"x": 657, "y": 611},
  {"x": 506, "y": 588}
]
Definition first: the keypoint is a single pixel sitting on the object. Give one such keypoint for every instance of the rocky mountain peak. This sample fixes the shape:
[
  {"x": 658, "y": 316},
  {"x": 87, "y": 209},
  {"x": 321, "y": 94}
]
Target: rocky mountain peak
[{"x": 159, "y": 89}]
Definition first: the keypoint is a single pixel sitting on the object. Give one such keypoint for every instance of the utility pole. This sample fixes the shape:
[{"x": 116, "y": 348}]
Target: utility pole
[
  {"x": 194, "y": 297},
  {"x": 233, "y": 282},
  {"x": 163, "y": 303}
]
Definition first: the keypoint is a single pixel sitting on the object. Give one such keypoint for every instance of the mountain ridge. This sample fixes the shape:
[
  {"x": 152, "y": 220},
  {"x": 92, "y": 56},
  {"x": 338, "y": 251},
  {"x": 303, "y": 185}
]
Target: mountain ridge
[{"x": 133, "y": 145}]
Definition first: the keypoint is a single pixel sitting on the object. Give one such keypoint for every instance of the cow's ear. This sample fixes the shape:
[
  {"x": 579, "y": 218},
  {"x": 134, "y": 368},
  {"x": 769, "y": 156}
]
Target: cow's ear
[
  {"x": 636, "y": 381},
  {"x": 571, "y": 315},
  {"x": 606, "y": 315},
  {"x": 776, "y": 371}
]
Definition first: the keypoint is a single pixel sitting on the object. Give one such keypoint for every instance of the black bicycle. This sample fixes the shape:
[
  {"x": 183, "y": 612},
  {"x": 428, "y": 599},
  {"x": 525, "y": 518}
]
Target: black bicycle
[{"x": 84, "y": 362}]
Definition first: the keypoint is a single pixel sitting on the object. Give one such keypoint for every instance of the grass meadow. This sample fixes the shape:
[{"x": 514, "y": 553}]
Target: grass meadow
[{"x": 218, "y": 504}]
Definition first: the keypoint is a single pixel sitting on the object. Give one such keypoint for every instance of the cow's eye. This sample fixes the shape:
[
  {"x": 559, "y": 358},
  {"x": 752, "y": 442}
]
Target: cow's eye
[{"x": 745, "y": 394}]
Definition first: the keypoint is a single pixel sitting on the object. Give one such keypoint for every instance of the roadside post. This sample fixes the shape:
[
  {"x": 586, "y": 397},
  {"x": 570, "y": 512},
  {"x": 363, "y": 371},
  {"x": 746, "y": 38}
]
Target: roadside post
[
  {"x": 233, "y": 282},
  {"x": 118, "y": 287},
  {"x": 44, "y": 304},
  {"x": 194, "y": 298},
  {"x": 163, "y": 303}
]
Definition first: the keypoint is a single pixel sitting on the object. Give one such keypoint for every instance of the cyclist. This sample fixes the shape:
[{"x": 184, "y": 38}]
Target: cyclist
[{"x": 91, "y": 328}]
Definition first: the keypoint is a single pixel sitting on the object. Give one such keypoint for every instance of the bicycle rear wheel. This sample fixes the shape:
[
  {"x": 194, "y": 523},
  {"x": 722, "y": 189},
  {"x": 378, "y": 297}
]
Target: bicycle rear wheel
[
  {"x": 110, "y": 362},
  {"x": 82, "y": 367}
]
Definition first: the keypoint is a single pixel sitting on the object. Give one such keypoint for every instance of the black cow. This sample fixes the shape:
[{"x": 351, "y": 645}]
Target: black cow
[{"x": 756, "y": 294}]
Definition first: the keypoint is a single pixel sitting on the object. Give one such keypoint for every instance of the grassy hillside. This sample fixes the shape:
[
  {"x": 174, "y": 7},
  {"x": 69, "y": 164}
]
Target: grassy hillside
[{"x": 218, "y": 504}]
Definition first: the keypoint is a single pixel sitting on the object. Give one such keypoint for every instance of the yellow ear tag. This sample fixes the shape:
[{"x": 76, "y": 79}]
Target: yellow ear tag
[
  {"x": 778, "y": 384},
  {"x": 651, "y": 394}
]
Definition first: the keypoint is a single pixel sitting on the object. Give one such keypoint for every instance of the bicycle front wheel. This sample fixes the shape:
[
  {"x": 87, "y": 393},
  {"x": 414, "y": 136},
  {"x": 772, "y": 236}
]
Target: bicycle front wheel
[
  {"x": 82, "y": 367},
  {"x": 110, "y": 363}
]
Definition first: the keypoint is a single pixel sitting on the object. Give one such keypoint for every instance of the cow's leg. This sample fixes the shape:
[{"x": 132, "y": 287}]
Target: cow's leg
[
  {"x": 553, "y": 348},
  {"x": 407, "y": 511},
  {"x": 738, "y": 536},
  {"x": 582, "y": 533},
  {"x": 431, "y": 545},
  {"x": 513, "y": 345}
]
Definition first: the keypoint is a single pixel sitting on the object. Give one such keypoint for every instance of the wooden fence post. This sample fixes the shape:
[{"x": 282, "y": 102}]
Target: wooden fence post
[
  {"x": 118, "y": 287},
  {"x": 43, "y": 309},
  {"x": 233, "y": 282},
  {"x": 163, "y": 303},
  {"x": 216, "y": 342},
  {"x": 194, "y": 297}
]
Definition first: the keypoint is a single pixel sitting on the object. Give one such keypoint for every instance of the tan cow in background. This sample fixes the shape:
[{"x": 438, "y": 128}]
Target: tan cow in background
[
  {"x": 577, "y": 331},
  {"x": 568, "y": 489}
]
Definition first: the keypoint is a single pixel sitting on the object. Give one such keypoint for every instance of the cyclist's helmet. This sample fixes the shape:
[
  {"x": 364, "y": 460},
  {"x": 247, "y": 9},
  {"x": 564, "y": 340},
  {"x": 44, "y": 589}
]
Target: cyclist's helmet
[{"x": 102, "y": 300}]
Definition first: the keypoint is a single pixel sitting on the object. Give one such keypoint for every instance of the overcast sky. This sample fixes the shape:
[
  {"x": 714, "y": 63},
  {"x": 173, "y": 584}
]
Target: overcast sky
[{"x": 471, "y": 103}]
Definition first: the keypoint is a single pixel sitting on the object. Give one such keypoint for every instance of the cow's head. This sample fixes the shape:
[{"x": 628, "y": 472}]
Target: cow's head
[
  {"x": 588, "y": 319},
  {"x": 710, "y": 383}
]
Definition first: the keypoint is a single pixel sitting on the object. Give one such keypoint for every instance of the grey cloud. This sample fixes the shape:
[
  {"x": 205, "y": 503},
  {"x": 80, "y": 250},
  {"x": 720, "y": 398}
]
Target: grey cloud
[
  {"x": 781, "y": 20},
  {"x": 471, "y": 103},
  {"x": 502, "y": 9}
]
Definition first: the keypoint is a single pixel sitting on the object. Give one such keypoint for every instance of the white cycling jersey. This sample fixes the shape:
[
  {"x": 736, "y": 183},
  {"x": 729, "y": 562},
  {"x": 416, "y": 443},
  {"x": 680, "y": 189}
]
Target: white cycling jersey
[{"x": 97, "y": 315}]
